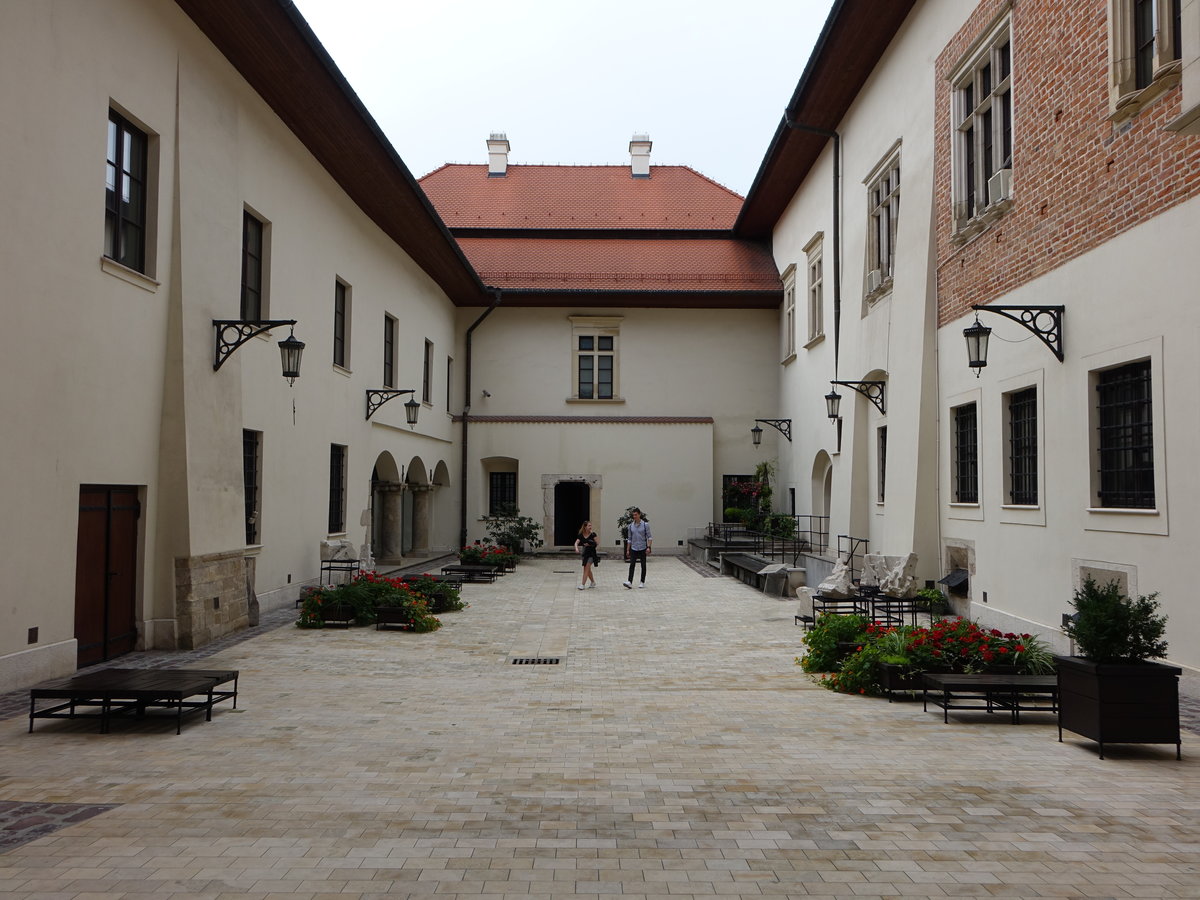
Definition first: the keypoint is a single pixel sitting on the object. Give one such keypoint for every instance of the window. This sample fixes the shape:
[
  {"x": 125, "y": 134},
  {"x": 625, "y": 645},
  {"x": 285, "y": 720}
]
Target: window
[
  {"x": 449, "y": 373},
  {"x": 966, "y": 454},
  {"x": 881, "y": 486},
  {"x": 251, "y": 479},
  {"x": 1146, "y": 42},
  {"x": 789, "y": 313},
  {"x": 983, "y": 142},
  {"x": 341, "y": 323},
  {"x": 389, "y": 351},
  {"x": 883, "y": 214},
  {"x": 594, "y": 357},
  {"x": 1023, "y": 448},
  {"x": 337, "y": 488},
  {"x": 253, "y": 269},
  {"x": 125, "y": 194},
  {"x": 816, "y": 298},
  {"x": 427, "y": 374},
  {"x": 502, "y": 493},
  {"x": 1125, "y": 439}
]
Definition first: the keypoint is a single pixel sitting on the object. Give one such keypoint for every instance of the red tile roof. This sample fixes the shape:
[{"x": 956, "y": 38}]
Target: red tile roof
[
  {"x": 622, "y": 264},
  {"x": 673, "y": 197}
]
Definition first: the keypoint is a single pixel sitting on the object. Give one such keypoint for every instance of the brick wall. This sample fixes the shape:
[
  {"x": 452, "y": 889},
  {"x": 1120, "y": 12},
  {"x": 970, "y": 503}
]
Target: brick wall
[{"x": 1078, "y": 179}]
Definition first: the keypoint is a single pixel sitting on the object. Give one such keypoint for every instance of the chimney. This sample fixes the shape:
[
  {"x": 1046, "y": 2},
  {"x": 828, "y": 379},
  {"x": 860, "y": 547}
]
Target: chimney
[
  {"x": 497, "y": 145},
  {"x": 639, "y": 156}
]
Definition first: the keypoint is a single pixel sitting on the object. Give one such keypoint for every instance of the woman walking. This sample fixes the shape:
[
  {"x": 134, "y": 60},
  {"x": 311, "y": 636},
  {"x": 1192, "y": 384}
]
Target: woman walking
[{"x": 586, "y": 544}]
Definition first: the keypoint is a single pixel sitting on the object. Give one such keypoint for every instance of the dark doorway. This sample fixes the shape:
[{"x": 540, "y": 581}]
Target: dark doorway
[
  {"x": 571, "y": 509},
  {"x": 106, "y": 573}
]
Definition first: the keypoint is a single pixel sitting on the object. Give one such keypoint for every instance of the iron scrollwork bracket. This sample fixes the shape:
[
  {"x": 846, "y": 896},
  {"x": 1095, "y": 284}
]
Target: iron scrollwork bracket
[
  {"x": 872, "y": 390},
  {"x": 783, "y": 426},
  {"x": 1045, "y": 322},
  {"x": 376, "y": 399},
  {"x": 232, "y": 333}
]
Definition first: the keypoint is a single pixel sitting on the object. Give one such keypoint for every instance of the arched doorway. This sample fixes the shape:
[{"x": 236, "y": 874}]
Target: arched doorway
[
  {"x": 418, "y": 503},
  {"x": 387, "y": 517}
]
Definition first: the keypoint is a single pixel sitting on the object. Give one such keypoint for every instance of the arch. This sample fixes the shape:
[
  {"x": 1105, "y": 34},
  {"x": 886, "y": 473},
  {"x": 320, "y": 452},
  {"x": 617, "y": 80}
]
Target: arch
[
  {"x": 385, "y": 468},
  {"x": 441, "y": 474},
  {"x": 821, "y": 484},
  {"x": 416, "y": 473},
  {"x": 386, "y": 516}
]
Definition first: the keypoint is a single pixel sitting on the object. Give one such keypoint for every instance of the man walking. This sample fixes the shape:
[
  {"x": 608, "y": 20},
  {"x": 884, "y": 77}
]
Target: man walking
[{"x": 639, "y": 542}]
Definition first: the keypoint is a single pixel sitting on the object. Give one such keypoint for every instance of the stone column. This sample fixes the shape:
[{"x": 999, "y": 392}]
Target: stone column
[
  {"x": 422, "y": 504},
  {"x": 390, "y": 497}
]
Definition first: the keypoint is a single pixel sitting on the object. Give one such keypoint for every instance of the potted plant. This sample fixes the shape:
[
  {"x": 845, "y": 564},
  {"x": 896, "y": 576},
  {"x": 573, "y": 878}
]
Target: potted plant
[{"x": 1111, "y": 692}]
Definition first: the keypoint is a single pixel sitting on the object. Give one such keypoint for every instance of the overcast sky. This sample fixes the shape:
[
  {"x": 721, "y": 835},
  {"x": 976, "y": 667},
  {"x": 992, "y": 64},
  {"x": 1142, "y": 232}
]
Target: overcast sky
[{"x": 571, "y": 82}]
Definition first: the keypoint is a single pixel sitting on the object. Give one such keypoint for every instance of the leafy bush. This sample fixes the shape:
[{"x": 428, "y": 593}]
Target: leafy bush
[
  {"x": 365, "y": 593},
  {"x": 779, "y": 525},
  {"x": 932, "y": 601},
  {"x": 483, "y": 553},
  {"x": 513, "y": 530},
  {"x": 441, "y": 596},
  {"x": 823, "y": 638},
  {"x": 626, "y": 518},
  {"x": 1109, "y": 627}
]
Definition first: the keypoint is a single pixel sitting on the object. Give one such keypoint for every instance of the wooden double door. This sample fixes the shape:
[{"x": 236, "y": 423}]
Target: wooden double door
[{"x": 106, "y": 567}]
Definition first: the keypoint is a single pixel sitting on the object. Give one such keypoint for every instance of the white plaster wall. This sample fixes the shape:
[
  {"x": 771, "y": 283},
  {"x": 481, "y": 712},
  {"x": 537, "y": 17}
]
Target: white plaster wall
[
  {"x": 672, "y": 363},
  {"x": 117, "y": 384},
  {"x": 895, "y": 335},
  {"x": 1027, "y": 559}
]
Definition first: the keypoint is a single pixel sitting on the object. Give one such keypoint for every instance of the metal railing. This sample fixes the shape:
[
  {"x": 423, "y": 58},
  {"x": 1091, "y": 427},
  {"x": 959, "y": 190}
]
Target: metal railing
[
  {"x": 807, "y": 534},
  {"x": 852, "y": 550}
]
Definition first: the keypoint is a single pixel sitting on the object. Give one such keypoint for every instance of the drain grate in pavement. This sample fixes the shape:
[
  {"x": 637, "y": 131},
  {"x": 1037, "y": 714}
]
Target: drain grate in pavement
[{"x": 535, "y": 660}]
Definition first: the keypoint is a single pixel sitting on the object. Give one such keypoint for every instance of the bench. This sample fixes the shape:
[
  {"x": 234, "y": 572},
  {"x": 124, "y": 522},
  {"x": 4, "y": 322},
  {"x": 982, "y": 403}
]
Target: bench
[
  {"x": 338, "y": 615},
  {"x": 109, "y": 692},
  {"x": 745, "y": 568},
  {"x": 391, "y": 617},
  {"x": 989, "y": 692},
  {"x": 473, "y": 574}
]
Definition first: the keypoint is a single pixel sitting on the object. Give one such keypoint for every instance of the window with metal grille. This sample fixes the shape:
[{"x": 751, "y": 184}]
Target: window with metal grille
[
  {"x": 340, "y": 310},
  {"x": 252, "y": 268},
  {"x": 502, "y": 493},
  {"x": 125, "y": 195},
  {"x": 1125, "y": 438},
  {"x": 251, "y": 476},
  {"x": 983, "y": 121},
  {"x": 595, "y": 362},
  {"x": 881, "y": 491},
  {"x": 389, "y": 352},
  {"x": 337, "y": 488},
  {"x": 966, "y": 454},
  {"x": 1023, "y": 448}
]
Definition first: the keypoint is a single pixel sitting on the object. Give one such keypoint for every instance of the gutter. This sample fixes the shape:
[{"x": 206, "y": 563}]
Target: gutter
[{"x": 466, "y": 413}]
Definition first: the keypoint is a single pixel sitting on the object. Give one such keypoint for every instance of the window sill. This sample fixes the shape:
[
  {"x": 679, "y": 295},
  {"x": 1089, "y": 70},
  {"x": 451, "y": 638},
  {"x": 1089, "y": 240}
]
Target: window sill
[
  {"x": 335, "y": 534},
  {"x": 790, "y": 358},
  {"x": 1121, "y": 511},
  {"x": 1021, "y": 506},
  {"x": 814, "y": 340},
  {"x": 342, "y": 370},
  {"x": 601, "y": 400},
  {"x": 1129, "y": 105},
  {"x": 132, "y": 276},
  {"x": 964, "y": 506},
  {"x": 253, "y": 550},
  {"x": 970, "y": 229},
  {"x": 884, "y": 290}
]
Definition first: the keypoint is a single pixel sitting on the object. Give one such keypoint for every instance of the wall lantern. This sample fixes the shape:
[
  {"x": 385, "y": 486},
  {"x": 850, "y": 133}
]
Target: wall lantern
[
  {"x": 376, "y": 399},
  {"x": 232, "y": 333},
  {"x": 783, "y": 426},
  {"x": 1045, "y": 323},
  {"x": 872, "y": 390}
]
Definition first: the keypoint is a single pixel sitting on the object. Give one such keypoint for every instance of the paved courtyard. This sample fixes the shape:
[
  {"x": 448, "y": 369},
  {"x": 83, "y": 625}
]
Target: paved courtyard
[{"x": 674, "y": 751}]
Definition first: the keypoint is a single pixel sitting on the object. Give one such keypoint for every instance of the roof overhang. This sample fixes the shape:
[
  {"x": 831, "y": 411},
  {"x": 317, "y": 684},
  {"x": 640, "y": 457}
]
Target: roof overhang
[
  {"x": 275, "y": 51},
  {"x": 855, "y": 36}
]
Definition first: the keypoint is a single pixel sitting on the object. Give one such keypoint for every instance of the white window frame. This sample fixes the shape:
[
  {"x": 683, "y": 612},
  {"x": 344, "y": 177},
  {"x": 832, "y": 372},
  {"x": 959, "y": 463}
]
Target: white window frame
[
  {"x": 1127, "y": 99},
  {"x": 347, "y": 305},
  {"x": 788, "y": 324},
  {"x": 814, "y": 252},
  {"x": 596, "y": 327},
  {"x": 983, "y": 193},
  {"x": 883, "y": 224}
]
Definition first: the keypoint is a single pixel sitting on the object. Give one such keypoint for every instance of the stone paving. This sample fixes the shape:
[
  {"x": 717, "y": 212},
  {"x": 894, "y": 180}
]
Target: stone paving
[{"x": 675, "y": 751}]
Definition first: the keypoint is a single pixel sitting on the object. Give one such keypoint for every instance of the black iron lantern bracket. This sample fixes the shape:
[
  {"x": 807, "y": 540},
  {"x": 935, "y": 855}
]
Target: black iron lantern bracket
[
  {"x": 232, "y": 333},
  {"x": 872, "y": 390},
  {"x": 1045, "y": 322},
  {"x": 376, "y": 399},
  {"x": 783, "y": 426}
]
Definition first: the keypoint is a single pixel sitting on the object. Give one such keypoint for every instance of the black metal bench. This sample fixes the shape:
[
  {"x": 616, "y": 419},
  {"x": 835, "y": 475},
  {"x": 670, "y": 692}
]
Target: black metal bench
[
  {"x": 989, "y": 692},
  {"x": 473, "y": 574},
  {"x": 110, "y": 692}
]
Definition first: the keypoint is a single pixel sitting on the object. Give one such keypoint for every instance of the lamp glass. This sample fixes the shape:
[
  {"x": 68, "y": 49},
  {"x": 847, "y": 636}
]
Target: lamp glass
[
  {"x": 833, "y": 401},
  {"x": 411, "y": 408},
  {"x": 290, "y": 351},
  {"x": 756, "y": 433},
  {"x": 977, "y": 344}
]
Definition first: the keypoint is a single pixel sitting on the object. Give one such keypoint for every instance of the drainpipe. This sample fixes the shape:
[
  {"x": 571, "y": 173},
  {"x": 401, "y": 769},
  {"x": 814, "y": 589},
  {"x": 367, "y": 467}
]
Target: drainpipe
[
  {"x": 466, "y": 414},
  {"x": 837, "y": 227}
]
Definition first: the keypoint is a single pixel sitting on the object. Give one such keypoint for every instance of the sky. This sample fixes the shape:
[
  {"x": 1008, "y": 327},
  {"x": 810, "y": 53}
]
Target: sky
[{"x": 570, "y": 82}]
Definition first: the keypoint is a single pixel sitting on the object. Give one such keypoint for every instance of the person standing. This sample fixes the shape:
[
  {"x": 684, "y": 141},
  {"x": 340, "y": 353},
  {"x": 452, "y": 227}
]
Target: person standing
[
  {"x": 586, "y": 544},
  {"x": 639, "y": 542}
]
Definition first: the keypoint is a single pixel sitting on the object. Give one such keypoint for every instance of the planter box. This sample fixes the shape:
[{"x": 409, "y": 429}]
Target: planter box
[
  {"x": 391, "y": 617},
  {"x": 1119, "y": 703},
  {"x": 896, "y": 677}
]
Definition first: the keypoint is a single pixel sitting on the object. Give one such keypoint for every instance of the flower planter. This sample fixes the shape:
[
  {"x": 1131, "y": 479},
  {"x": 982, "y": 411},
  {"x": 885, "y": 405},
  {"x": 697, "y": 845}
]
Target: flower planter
[
  {"x": 898, "y": 677},
  {"x": 1119, "y": 703},
  {"x": 392, "y": 617}
]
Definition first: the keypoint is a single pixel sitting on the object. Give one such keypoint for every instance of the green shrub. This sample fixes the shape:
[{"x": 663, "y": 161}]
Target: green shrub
[
  {"x": 441, "y": 596},
  {"x": 365, "y": 593},
  {"x": 514, "y": 531},
  {"x": 1109, "y": 627},
  {"x": 823, "y": 638}
]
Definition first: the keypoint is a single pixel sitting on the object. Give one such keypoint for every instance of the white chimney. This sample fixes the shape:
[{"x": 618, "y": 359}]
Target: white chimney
[
  {"x": 639, "y": 156},
  {"x": 498, "y": 148}
]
